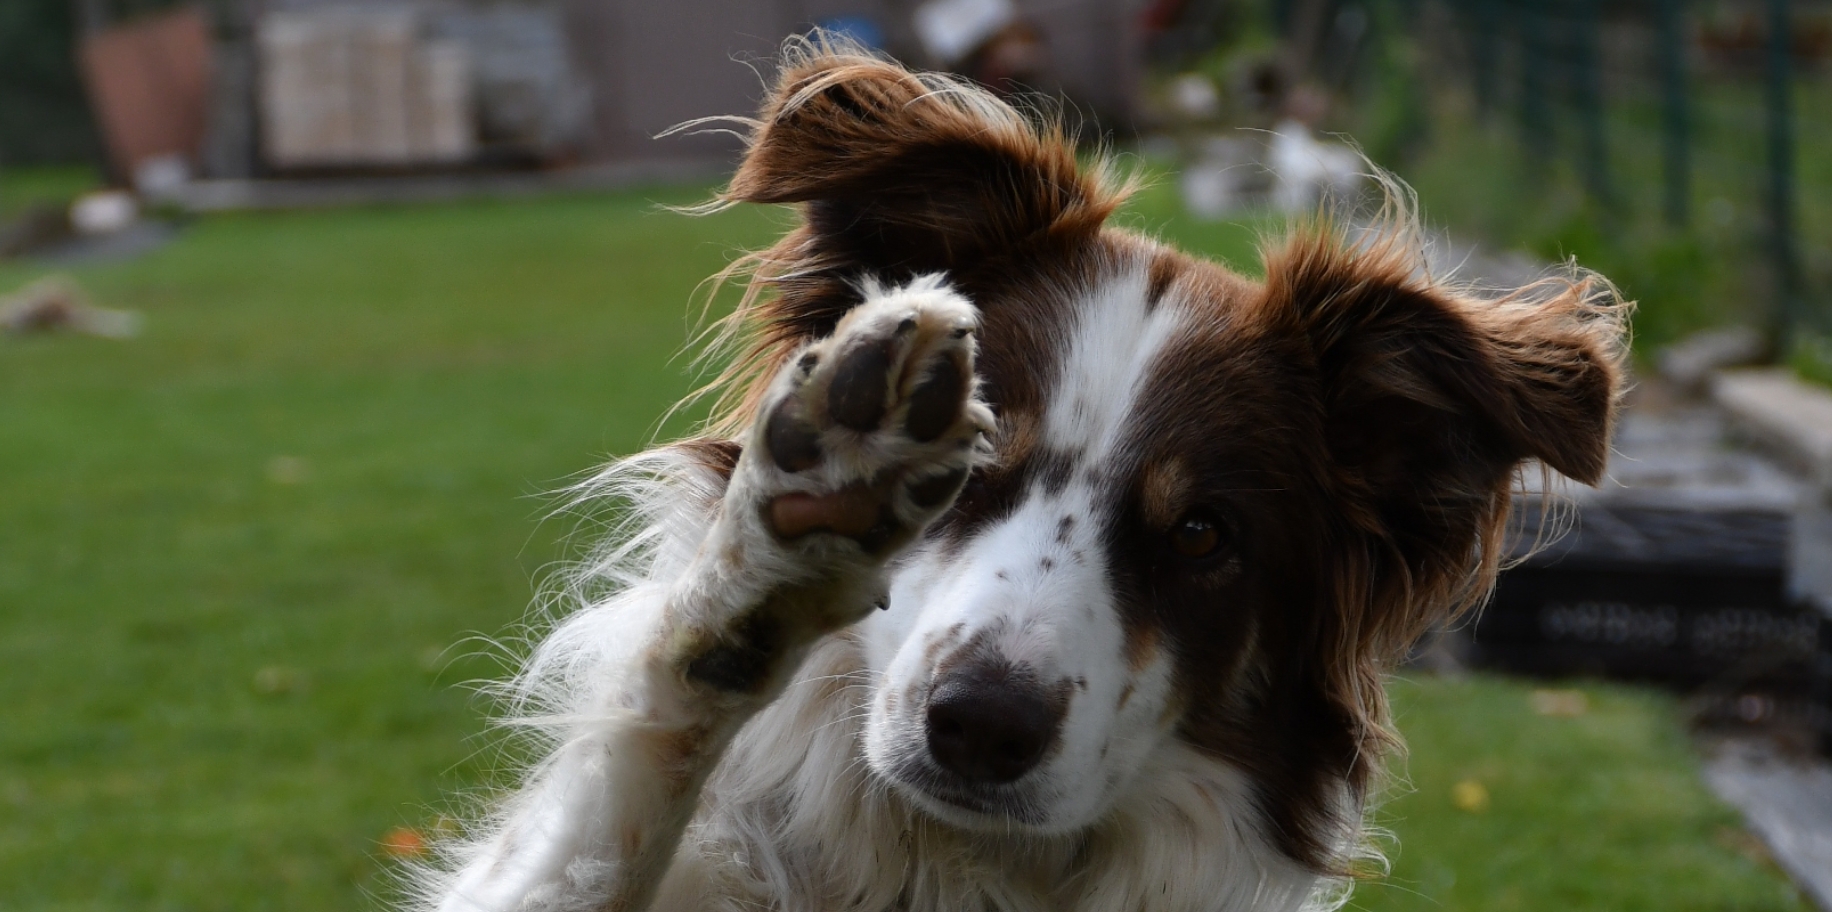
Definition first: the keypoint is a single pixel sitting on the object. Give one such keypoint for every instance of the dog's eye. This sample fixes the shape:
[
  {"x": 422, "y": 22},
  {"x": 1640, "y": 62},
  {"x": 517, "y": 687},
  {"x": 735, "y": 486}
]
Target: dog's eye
[{"x": 1199, "y": 534}]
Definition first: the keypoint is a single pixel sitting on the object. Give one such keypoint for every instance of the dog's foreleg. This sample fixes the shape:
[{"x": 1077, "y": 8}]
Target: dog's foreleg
[
  {"x": 597, "y": 825},
  {"x": 862, "y": 440}
]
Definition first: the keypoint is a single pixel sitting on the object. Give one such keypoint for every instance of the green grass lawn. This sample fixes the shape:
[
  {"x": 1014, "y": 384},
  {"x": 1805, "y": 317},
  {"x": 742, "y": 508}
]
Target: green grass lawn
[{"x": 240, "y": 556}]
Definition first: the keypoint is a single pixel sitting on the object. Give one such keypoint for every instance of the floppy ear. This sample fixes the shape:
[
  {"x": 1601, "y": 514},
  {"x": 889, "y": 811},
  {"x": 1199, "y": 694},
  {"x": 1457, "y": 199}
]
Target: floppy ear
[
  {"x": 905, "y": 173},
  {"x": 1431, "y": 399},
  {"x": 898, "y": 174},
  {"x": 1430, "y": 393}
]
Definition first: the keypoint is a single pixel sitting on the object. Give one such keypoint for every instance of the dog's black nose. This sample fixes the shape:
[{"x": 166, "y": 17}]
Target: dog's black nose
[{"x": 991, "y": 723}]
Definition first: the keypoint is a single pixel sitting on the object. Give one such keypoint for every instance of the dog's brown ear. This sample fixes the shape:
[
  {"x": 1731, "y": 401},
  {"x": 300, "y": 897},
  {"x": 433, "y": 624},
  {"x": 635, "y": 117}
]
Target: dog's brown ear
[
  {"x": 1431, "y": 401},
  {"x": 905, "y": 173},
  {"x": 1430, "y": 391}
]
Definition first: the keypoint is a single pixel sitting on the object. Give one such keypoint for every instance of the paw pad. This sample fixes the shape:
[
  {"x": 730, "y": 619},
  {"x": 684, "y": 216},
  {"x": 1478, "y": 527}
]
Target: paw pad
[{"x": 874, "y": 426}]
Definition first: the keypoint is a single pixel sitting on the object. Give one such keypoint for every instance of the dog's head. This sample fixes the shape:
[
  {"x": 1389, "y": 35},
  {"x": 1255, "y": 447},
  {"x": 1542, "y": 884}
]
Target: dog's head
[{"x": 1218, "y": 508}]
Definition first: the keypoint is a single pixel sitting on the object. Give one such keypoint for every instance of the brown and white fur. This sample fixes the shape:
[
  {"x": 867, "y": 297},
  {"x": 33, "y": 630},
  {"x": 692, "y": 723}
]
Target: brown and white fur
[{"x": 1032, "y": 564}]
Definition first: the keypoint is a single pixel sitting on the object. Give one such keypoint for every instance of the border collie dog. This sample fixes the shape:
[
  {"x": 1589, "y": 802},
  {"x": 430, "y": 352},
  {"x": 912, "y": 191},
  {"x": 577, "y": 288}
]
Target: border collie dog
[{"x": 1029, "y": 564}]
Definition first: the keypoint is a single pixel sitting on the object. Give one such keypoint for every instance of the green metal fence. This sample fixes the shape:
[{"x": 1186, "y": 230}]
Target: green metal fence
[
  {"x": 1697, "y": 133},
  {"x": 1724, "y": 79}
]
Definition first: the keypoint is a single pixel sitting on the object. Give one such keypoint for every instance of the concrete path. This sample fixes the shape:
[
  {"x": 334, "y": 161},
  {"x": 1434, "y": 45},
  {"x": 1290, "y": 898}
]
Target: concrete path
[{"x": 1787, "y": 802}]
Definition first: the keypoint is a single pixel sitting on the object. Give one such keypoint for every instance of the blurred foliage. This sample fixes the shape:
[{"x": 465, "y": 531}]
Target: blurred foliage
[
  {"x": 1512, "y": 175},
  {"x": 1479, "y": 176},
  {"x": 25, "y": 188},
  {"x": 44, "y": 116},
  {"x": 1811, "y": 357}
]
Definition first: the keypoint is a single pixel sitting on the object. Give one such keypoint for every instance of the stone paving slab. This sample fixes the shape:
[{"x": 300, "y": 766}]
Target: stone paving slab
[
  {"x": 1787, "y": 802},
  {"x": 1680, "y": 458},
  {"x": 1782, "y": 414}
]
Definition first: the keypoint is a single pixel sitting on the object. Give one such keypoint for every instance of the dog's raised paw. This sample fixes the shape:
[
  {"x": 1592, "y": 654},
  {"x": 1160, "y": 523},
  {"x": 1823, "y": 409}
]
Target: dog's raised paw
[{"x": 873, "y": 430}]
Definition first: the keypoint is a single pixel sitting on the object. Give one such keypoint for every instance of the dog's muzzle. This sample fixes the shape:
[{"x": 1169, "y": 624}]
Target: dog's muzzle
[{"x": 989, "y": 723}]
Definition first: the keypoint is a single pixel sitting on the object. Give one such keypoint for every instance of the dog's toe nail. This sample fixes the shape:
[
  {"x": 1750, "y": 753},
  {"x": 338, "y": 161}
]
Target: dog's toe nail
[
  {"x": 936, "y": 401},
  {"x": 856, "y": 398},
  {"x": 794, "y": 444}
]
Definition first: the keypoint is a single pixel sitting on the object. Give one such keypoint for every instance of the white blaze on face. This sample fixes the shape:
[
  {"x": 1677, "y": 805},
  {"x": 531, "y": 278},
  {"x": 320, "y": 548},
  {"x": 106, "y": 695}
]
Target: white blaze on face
[
  {"x": 1034, "y": 585},
  {"x": 1116, "y": 343}
]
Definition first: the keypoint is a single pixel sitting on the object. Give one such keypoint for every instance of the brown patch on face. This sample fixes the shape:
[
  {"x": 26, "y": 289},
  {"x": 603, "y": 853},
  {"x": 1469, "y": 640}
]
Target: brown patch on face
[
  {"x": 994, "y": 489},
  {"x": 1141, "y": 646},
  {"x": 1164, "y": 491}
]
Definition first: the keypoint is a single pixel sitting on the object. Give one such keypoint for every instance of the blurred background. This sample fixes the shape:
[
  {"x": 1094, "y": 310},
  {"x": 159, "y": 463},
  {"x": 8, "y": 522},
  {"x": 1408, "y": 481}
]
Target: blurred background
[{"x": 305, "y": 308}]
